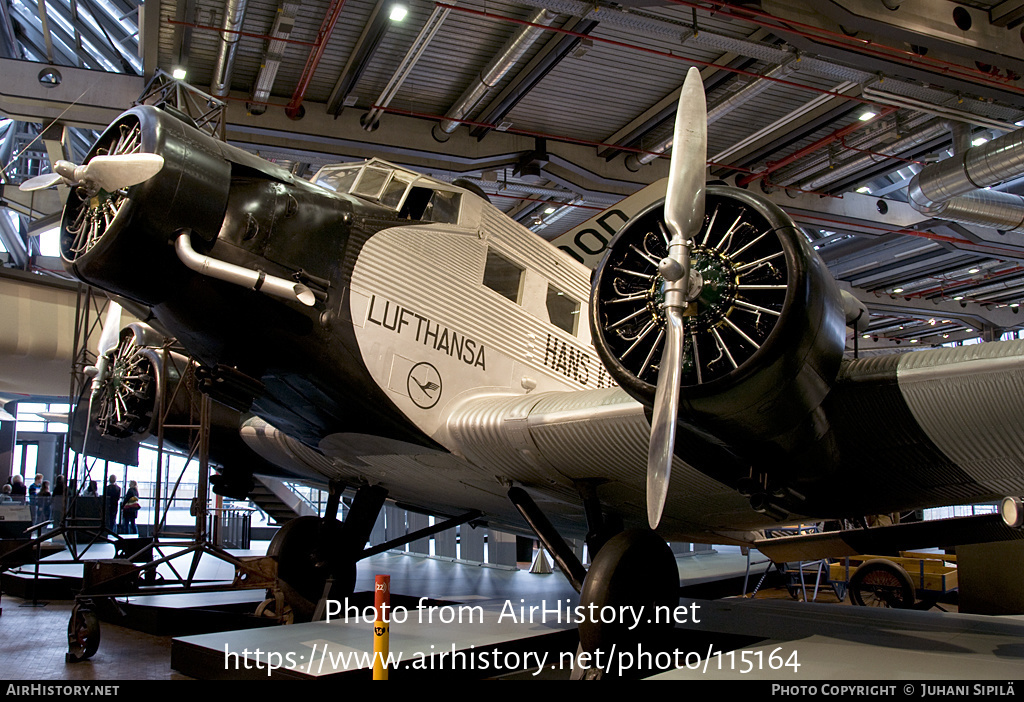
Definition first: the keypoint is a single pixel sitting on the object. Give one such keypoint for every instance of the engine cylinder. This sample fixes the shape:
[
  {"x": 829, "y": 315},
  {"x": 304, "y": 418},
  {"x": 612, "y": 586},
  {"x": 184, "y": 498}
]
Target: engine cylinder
[
  {"x": 118, "y": 240},
  {"x": 763, "y": 339}
]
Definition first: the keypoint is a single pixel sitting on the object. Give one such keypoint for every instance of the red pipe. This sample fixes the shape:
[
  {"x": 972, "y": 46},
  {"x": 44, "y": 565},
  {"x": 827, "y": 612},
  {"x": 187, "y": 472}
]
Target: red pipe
[
  {"x": 961, "y": 284},
  {"x": 878, "y": 153},
  {"x": 542, "y": 135},
  {"x": 995, "y": 250},
  {"x": 844, "y": 41},
  {"x": 326, "y": 29},
  {"x": 773, "y": 166},
  {"x": 663, "y": 54}
]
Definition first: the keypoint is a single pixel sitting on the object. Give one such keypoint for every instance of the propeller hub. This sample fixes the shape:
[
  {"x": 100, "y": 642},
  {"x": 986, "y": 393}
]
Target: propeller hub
[{"x": 712, "y": 288}]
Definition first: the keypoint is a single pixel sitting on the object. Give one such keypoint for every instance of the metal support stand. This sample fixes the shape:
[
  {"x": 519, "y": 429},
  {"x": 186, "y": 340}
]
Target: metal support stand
[{"x": 552, "y": 540}]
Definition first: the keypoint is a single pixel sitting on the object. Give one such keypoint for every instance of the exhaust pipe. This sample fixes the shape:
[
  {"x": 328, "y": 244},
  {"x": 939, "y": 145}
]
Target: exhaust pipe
[{"x": 229, "y": 272}]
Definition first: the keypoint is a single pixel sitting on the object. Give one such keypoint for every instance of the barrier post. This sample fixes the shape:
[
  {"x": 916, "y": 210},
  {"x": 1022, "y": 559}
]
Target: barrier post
[{"x": 381, "y": 625}]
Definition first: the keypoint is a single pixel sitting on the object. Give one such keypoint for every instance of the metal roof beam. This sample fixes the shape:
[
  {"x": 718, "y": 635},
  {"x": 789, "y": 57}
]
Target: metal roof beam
[{"x": 360, "y": 56}]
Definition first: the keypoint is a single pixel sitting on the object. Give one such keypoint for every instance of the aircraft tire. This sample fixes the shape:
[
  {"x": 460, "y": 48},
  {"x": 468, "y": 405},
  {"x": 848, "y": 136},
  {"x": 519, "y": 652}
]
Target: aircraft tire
[
  {"x": 634, "y": 568},
  {"x": 83, "y": 634},
  {"x": 302, "y": 567}
]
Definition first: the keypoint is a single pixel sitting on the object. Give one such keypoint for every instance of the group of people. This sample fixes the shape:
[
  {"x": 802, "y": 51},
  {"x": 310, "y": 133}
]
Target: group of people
[
  {"x": 47, "y": 505},
  {"x": 37, "y": 495}
]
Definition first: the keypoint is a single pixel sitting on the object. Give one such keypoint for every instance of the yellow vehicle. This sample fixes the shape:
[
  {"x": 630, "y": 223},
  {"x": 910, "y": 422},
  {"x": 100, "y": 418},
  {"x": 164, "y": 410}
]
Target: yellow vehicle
[{"x": 899, "y": 582}]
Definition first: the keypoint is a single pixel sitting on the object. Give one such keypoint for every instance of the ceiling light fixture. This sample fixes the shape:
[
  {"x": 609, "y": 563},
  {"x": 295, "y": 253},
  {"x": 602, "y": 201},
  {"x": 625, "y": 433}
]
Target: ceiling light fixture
[
  {"x": 179, "y": 73},
  {"x": 398, "y": 13},
  {"x": 866, "y": 115}
]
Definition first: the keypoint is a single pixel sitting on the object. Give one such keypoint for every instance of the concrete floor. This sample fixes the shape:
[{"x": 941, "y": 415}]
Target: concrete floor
[{"x": 813, "y": 641}]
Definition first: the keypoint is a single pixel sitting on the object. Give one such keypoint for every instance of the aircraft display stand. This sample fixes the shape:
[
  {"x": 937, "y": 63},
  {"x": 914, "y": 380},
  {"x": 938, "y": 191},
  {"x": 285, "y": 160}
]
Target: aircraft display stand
[
  {"x": 138, "y": 565},
  {"x": 123, "y": 577}
]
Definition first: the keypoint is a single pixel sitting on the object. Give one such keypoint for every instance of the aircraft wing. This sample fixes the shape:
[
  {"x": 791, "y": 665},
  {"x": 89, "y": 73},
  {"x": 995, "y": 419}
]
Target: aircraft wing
[
  {"x": 549, "y": 443},
  {"x": 928, "y": 428}
]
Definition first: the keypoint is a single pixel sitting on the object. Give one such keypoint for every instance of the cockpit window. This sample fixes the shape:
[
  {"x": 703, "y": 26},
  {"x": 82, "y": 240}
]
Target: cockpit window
[
  {"x": 371, "y": 182},
  {"x": 393, "y": 193},
  {"x": 338, "y": 178},
  {"x": 443, "y": 207},
  {"x": 414, "y": 197}
]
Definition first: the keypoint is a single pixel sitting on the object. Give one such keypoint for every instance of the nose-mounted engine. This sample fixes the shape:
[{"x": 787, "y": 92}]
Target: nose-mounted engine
[
  {"x": 130, "y": 241},
  {"x": 110, "y": 239},
  {"x": 764, "y": 333}
]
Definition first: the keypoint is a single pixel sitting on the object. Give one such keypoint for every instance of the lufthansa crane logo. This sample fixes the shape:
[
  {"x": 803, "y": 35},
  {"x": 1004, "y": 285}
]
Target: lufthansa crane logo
[{"x": 424, "y": 385}]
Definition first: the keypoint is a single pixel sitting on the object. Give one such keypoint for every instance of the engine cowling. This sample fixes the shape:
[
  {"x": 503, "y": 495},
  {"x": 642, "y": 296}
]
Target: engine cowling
[
  {"x": 763, "y": 340},
  {"x": 111, "y": 241}
]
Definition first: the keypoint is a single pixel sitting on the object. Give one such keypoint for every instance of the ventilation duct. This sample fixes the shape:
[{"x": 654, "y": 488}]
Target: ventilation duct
[
  {"x": 225, "y": 66},
  {"x": 951, "y": 189},
  {"x": 511, "y": 53}
]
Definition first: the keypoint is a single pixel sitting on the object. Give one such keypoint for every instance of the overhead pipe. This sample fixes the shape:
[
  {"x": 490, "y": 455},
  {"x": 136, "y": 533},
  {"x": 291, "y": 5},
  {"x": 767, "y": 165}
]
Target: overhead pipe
[
  {"x": 706, "y": 37},
  {"x": 909, "y": 103},
  {"x": 284, "y": 23},
  {"x": 721, "y": 109},
  {"x": 952, "y": 278},
  {"x": 505, "y": 60},
  {"x": 931, "y": 131},
  {"x": 815, "y": 166},
  {"x": 371, "y": 119},
  {"x": 953, "y": 189},
  {"x": 774, "y": 166},
  {"x": 234, "y": 13}
]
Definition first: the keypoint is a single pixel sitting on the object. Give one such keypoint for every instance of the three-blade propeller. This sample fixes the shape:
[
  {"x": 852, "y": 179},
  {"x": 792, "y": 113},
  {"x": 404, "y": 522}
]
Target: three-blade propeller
[
  {"x": 109, "y": 173},
  {"x": 684, "y": 216}
]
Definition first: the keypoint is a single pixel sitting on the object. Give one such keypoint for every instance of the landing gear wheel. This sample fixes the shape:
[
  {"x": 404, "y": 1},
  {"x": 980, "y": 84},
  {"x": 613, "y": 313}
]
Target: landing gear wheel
[
  {"x": 881, "y": 583},
  {"x": 83, "y": 634},
  {"x": 268, "y": 609},
  {"x": 635, "y": 568},
  {"x": 305, "y": 561}
]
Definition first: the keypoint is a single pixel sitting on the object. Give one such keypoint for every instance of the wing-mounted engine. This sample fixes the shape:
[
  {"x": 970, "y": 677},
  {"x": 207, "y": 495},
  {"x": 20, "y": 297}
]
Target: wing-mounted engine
[
  {"x": 128, "y": 399},
  {"x": 147, "y": 380},
  {"x": 762, "y": 339}
]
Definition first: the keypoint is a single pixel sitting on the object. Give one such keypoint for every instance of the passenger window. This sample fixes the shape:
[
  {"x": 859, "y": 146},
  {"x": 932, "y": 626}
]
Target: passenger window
[
  {"x": 503, "y": 277},
  {"x": 563, "y": 311}
]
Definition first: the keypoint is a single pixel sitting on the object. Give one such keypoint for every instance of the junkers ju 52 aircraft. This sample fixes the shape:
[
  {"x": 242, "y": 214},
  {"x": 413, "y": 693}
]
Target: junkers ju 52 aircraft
[{"x": 387, "y": 331}]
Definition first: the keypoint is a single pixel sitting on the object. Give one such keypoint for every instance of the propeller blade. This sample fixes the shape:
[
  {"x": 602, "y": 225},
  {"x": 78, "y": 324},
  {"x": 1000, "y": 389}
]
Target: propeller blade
[
  {"x": 684, "y": 216},
  {"x": 112, "y": 173},
  {"x": 111, "y": 332},
  {"x": 41, "y": 182}
]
